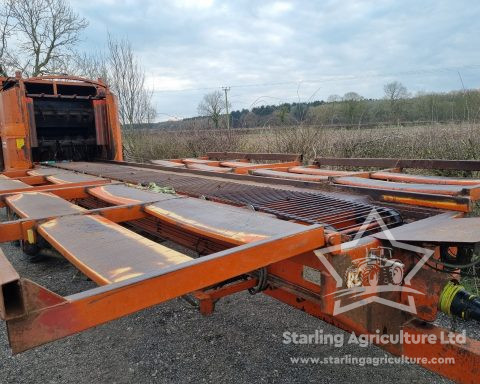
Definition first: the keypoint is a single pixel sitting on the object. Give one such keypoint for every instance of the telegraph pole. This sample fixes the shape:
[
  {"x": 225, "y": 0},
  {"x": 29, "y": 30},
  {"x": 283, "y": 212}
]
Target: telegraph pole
[{"x": 226, "y": 89}]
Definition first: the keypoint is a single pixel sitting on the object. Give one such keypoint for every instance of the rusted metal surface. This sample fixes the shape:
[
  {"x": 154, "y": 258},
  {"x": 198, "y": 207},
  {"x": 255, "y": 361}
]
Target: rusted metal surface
[
  {"x": 244, "y": 167},
  {"x": 167, "y": 163},
  {"x": 318, "y": 171},
  {"x": 466, "y": 355},
  {"x": 11, "y": 184},
  {"x": 67, "y": 190},
  {"x": 458, "y": 165},
  {"x": 213, "y": 163},
  {"x": 427, "y": 200},
  {"x": 44, "y": 171},
  {"x": 288, "y": 175},
  {"x": 230, "y": 176},
  {"x": 255, "y": 156},
  {"x": 138, "y": 273},
  {"x": 408, "y": 178},
  {"x": 122, "y": 194},
  {"x": 438, "y": 229},
  {"x": 208, "y": 168},
  {"x": 407, "y": 198},
  {"x": 306, "y": 207},
  {"x": 235, "y": 164},
  {"x": 71, "y": 177},
  {"x": 41, "y": 205},
  {"x": 105, "y": 251},
  {"x": 443, "y": 189},
  {"x": 11, "y": 304},
  {"x": 229, "y": 224}
]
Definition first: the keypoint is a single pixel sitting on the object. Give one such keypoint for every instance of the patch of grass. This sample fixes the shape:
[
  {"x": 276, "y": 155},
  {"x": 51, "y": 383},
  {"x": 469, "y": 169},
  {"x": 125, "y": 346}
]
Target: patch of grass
[{"x": 437, "y": 141}]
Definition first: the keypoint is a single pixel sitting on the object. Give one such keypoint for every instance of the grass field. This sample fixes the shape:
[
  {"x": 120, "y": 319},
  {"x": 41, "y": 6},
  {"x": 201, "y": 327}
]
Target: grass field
[{"x": 445, "y": 141}]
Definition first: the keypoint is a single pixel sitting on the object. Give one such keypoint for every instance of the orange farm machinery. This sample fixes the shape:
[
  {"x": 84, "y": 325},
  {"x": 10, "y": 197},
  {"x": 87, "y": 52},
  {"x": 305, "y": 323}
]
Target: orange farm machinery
[{"x": 372, "y": 250}]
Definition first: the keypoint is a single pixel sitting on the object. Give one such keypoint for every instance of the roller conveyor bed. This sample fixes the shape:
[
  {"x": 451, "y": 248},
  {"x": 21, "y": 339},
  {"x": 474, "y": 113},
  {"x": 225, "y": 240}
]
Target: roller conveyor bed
[{"x": 107, "y": 252}]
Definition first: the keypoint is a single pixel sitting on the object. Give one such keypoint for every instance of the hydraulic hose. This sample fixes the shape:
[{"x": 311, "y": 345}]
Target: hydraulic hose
[{"x": 456, "y": 301}]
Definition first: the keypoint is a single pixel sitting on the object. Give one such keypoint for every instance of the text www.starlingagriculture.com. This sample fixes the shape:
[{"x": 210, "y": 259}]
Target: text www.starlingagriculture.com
[{"x": 367, "y": 360}]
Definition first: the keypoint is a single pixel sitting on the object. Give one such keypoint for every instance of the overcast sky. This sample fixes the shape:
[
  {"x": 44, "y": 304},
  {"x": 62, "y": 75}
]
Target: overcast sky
[{"x": 283, "y": 51}]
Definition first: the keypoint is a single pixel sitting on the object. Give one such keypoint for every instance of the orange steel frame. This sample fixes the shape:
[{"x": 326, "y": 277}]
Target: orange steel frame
[
  {"x": 17, "y": 121},
  {"x": 35, "y": 315}
]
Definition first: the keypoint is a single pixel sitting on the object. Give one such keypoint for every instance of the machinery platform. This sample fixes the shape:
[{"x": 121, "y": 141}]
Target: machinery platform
[
  {"x": 69, "y": 177},
  {"x": 38, "y": 205},
  {"x": 44, "y": 171},
  {"x": 7, "y": 184},
  {"x": 119, "y": 194},
  {"x": 107, "y": 252},
  {"x": 228, "y": 224}
]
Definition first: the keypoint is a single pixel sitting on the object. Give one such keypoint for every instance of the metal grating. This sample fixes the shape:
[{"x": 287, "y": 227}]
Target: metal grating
[{"x": 307, "y": 207}]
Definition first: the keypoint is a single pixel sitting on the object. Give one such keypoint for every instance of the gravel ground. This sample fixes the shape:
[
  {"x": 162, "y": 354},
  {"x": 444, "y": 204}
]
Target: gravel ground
[{"x": 173, "y": 342}]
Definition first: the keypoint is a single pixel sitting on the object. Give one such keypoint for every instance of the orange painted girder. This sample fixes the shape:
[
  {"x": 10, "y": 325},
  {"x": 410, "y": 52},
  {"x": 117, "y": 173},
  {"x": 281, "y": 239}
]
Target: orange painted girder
[
  {"x": 408, "y": 178},
  {"x": 243, "y": 168},
  {"x": 44, "y": 323},
  {"x": 448, "y": 190}
]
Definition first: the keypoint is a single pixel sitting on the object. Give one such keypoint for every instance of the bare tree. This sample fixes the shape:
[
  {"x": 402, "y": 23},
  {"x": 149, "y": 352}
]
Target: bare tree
[
  {"x": 395, "y": 93},
  {"x": 127, "y": 79},
  {"x": 354, "y": 107},
  {"x": 212, "y": 106},
  {"x": 92, "y": 65},
  {"x": 48, "y": 31},
  {"x": 7, "y": 25},
  {"x": 120, "y": 69},
  {"x": 333, "y": 100}
]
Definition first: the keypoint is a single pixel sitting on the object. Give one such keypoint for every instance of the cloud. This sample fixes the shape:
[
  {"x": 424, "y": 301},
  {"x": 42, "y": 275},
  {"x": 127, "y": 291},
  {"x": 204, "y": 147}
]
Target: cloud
[
  {"x": 193, "y": 3},
  {"x": 312, "y": 48}
]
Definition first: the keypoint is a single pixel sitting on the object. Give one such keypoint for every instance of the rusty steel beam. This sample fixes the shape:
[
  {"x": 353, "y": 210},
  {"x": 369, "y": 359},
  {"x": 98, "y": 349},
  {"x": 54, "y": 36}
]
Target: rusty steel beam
[
  {"x": 16, "y": 230},
  {"x": 48, "y": 187},
  {"x": 466, "y": 368},
  {"x": 65, "y": 191},
  {"x": 31, "y": 180},
  {"x": 458, "y": 165},
  {"x": 11, "y": 303},
  {"x": 15, "y": 173},
  {"x": 255, "y": 156},
  {"x": 44, "y": 323},
  {"x": 443, "y": 202}
]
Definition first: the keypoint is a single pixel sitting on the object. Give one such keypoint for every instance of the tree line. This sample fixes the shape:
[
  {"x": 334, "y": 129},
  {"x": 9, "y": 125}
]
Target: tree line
[{"x": 397, "y": 106}]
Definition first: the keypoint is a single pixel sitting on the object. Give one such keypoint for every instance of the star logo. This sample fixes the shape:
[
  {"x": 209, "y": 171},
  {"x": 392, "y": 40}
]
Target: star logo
[{"x": 370, "y": 291}]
